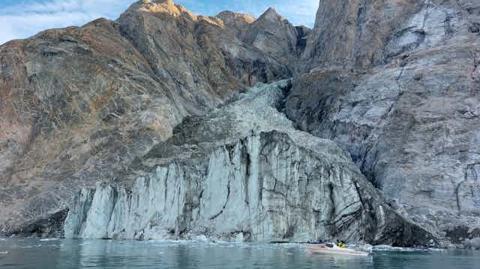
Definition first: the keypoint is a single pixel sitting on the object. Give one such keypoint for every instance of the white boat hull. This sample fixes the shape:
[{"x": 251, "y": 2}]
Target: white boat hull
[{"x": 323, "y": 249}]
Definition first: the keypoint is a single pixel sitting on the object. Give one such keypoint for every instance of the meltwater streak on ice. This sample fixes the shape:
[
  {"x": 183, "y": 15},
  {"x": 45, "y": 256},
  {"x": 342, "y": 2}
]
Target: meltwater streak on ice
[{"x": 66, "y": 254}]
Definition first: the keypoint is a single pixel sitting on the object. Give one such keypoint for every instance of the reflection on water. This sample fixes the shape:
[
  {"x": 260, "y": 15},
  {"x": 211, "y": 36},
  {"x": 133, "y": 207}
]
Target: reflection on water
[{"x": 133, "y": 254}]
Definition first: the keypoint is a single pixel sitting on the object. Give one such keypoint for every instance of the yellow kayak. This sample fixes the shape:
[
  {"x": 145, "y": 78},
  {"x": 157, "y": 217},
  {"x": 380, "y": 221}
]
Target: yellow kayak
[{"x": 332, "y": 249}]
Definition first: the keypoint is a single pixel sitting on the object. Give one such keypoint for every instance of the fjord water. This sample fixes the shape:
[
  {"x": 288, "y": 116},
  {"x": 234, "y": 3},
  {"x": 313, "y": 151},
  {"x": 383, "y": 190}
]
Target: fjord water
[{"x": 65, "y": 254}]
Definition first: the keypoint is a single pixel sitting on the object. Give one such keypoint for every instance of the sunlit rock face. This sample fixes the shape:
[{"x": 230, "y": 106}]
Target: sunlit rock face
[
  {"x": 256, "y": 180},
  {"x": 236, "y": 22},
  {"x": 401, "y": 95}
]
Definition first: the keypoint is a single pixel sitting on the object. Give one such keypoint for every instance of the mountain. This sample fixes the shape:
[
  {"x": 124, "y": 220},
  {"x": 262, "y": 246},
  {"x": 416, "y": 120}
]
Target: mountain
[
  {"x": 79, "y": 104},
  {"x": 364, "y": 128},
  {"x": 274, "y": 35},
  {"x": 236, "y": 22}
]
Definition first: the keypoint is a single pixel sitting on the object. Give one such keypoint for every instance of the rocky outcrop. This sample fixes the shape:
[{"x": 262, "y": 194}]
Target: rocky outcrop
[
  {"x": 270, "y": 33},
  {"x": 256, "y": 180},
  {"x": 402, "y": 98},
  {"x": 472, "y": 243},
  {"x": 355, "y": 32},
  {"x": 236, "y": 22},
  {"x": 274, "y": 35},
  {"x": 77, "y": 105}
]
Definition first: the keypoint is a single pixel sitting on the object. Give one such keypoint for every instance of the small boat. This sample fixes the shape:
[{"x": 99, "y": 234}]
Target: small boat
[{"x": 333, "y": 249}]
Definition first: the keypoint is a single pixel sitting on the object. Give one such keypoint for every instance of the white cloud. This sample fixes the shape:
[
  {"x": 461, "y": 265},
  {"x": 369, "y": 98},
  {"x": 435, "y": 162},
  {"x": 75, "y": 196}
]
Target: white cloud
[
  {"x": 299, "y": 12},
  {"x": 27, "y": 18}
]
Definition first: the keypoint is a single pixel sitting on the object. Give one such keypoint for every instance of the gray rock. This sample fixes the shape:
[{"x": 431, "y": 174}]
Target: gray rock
[
  {"x": 354, "y": 33},
  {"x": 274, "y": 35},
  {"x": 271, "y": 33},
  {"x": 409, "y": 116},
  {"x": 364, "y": 33},
  {"x": 236, "y": 22},
  {"x": 472, "y": 243}
]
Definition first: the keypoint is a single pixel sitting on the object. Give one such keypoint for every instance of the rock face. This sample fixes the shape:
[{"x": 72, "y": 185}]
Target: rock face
[
  {"x": 256, "y": 180},
  {"x": 362, "y": 33},
  {"x": 77, "y": 105},
  {"x": 355, "y": 32},
  {"x": 149, "y": 106},
  {"x": 274, "y": 35},
  {"x": 236, "y": 22},
  {"x": 397, "y": 86},
  {"x": 270, "y": 33}
]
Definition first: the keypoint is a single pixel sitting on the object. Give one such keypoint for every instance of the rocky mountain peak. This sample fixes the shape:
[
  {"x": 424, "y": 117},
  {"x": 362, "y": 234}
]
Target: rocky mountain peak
[
  {"x": 160, "y": 6},
  {"x": 166, "y": 2},
  {"x": 275, "y": 35},
  {"x": 158, "y": 2},
  {"x": 271, "y": 15},
  {"x": 230, "y": 17},
  {"x": 238, "y": 23}
]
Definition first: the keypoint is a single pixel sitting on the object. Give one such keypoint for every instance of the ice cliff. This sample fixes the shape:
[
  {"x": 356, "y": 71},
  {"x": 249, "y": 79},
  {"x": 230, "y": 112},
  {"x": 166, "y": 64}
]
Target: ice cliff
[{"x": 242, "y": 173}]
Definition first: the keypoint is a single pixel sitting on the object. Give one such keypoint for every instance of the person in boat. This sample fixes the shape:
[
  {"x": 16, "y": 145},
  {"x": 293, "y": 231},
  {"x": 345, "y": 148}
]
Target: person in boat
[
  {"x": 341, "y": 244},
  {"x": 338, "y": 248}
]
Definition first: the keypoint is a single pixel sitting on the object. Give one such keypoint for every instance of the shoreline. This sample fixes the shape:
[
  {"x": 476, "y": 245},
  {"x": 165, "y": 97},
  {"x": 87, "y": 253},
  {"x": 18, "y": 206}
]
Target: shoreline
[{"x": 373, "y": 248}]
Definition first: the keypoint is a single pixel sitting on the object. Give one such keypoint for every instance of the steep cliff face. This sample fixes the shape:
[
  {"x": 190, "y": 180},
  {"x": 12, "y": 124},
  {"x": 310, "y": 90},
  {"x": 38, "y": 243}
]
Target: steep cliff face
[
  {"x": 363, "y": 33},
  {"x": 355, "y": 32},
  {"x": 403, "y": 99},
  {"x": 77, "y": 105},
  {"x": 256, "y": 180},
  {"x": 274, "y": 35}
]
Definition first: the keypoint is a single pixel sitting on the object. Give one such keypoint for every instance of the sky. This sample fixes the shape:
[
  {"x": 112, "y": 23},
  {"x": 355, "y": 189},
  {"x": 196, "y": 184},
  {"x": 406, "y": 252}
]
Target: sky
[{"x": 24, "y": 18}]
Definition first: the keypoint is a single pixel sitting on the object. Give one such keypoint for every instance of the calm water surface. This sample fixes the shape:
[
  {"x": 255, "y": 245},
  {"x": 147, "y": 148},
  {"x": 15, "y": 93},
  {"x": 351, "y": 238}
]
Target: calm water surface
[{"x": 50, "y": 254}]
